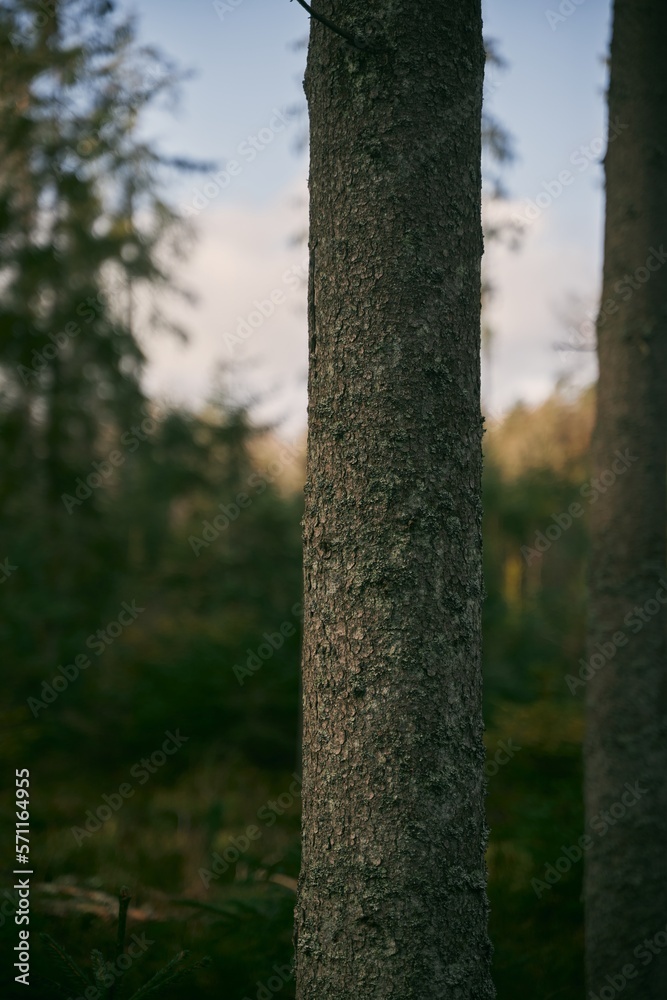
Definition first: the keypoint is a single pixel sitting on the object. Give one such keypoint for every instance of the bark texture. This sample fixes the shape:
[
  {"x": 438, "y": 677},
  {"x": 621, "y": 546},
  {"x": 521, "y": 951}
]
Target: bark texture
[
  {"x": 626, "y": 868},
  {"x": 392, "y": 894}
]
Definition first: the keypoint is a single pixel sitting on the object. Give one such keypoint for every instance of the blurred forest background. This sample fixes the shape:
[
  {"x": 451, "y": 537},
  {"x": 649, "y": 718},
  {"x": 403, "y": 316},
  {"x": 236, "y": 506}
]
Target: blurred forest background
[{"x": 162, "y": 546}]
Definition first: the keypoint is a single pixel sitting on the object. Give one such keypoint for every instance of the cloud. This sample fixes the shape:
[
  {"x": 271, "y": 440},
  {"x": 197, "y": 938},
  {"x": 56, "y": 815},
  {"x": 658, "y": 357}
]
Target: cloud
[
  {"x": 252, "y": 320},
  {"x": 534, "y": 287},
  {"x": 240, "y": 259}
]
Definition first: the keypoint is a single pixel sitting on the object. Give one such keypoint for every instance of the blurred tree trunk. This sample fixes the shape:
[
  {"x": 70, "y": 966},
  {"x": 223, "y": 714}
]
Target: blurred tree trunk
[
  {"x": 392, "y": 894},
  {"x": 626, "y": 870}
]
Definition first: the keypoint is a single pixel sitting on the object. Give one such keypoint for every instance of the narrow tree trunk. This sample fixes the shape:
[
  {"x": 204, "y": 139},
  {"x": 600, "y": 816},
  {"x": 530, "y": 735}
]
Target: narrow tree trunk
[
  {"x": 392, "y": 894},
  {"x": 626, "y": 747}
]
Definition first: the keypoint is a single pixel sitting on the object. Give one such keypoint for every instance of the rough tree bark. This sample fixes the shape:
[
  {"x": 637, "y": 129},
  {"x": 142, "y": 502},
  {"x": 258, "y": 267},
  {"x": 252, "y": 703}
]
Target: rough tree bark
[
  {"x": 392, "y": 894},
  {"x": 626, "y": 868}
]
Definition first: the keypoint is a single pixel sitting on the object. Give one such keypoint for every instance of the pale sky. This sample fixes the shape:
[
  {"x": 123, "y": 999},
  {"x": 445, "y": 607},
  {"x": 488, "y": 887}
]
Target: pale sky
[{"x": 237, "y": 110}]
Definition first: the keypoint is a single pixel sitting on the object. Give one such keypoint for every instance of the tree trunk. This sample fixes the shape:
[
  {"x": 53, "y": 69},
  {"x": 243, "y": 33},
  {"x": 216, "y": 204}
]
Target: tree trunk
[
  {"x": 626, "y": 868},
  {"x": 392, "y": 894}
]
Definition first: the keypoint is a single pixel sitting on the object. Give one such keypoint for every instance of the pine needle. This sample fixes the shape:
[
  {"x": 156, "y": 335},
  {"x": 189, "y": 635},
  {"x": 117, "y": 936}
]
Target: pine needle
[{"x": 66, "y": 963}]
